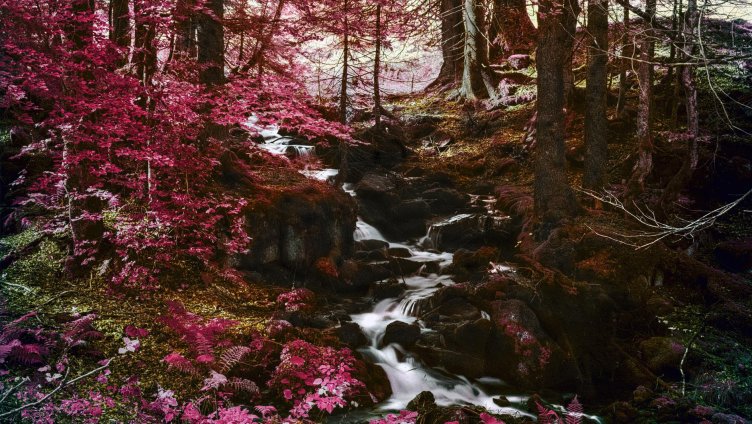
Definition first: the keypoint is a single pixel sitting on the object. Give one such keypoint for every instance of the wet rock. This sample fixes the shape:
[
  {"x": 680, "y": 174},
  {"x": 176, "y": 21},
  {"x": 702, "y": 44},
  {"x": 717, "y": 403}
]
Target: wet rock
[
  {"x": 407, "y": 266},
  {"x": 357, "y": 276},
  {"x": 472, "y": 265},
  {"x": 662, "y": 354},
  {"x": 375, "y": 379},
  {"x": 369, "y": 245},
  {"x": 473, "y": 336},
  {"x": 384, "y": 149},
  {"x": 399, "y": 252},
  {"x": 375, "y": 186},
  {"x": 351, "y": 334},
  {"x": 462, "y": 363},
  {"x": 520, "y": 351},
  {"x": 300, "y": 227},
  {"x": 471, "y": 230},
  {"x": 502, "y": 401},
  {"x": 422, "y": 402},
  {"x": 417, "y": 208},
  {"x": 401, "y": 333},
  {"x": 391, "y": 288},
  {"x": 373, "y": 255},
  {"x": 446, "y": 200},
  {"x": 735, "y": 256},
  {"x": 459, "y": 309},
  {"x": 519, "y": 61}
]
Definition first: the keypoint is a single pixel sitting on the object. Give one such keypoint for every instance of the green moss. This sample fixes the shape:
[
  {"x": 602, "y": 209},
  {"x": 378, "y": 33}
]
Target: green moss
[{"x": 24, "y": 279}]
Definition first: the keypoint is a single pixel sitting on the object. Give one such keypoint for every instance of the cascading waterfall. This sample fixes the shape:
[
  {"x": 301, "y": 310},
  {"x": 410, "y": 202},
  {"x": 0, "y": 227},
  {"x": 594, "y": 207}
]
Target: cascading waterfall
[
  {"x": 279, "y": 145},
  {"x": 407, "y": 375}
]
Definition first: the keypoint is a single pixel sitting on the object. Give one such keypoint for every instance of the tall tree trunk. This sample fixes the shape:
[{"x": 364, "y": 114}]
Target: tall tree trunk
[
  {"x": 452, "y": 42},
  {"x": 554, "y": 199},
  {"x": 512, "y": 31},
  {"x": 569, "y": 24},
  {"x": 624, "y": 65},
  {"x": 345, "y": 70},
  {"x": 377, "y": 70},
  {"x": 211, "y": 43},
  {"x": 596, "y": 129},
  {"x": 473, "y": 84},
  {"x": 185, "y": 29},
  {"x": 145, "y": 53},
  {"x": 120, "y": 23},
  {"x": 689, "y": 47},
  {"x": 84, "y": 208},
  {"x": 644, "y": 164}
]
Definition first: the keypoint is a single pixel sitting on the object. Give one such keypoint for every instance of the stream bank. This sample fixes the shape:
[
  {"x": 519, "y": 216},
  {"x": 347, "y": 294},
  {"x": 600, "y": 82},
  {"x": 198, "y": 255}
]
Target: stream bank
[{"x": 574, "y": 313}]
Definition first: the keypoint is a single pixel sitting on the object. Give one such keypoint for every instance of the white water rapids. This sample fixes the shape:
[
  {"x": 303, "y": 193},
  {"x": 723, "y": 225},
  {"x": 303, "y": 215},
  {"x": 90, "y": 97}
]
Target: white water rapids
[{"x": 407, "y": 375}]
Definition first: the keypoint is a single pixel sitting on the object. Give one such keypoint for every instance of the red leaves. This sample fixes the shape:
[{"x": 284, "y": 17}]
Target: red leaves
[{"x": 313, "y": 376}]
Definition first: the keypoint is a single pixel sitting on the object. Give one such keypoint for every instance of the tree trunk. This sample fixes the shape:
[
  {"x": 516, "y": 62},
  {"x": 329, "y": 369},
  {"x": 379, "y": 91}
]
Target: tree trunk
[
  {"x": 185, "y": 29},
  {"x": 120, "y": 22},
  {"x": 452, "y": 42},
  {"x": 376, "y": 71},
  {"x": 84, "y": 208},
  {"x": 554, "y": 199},
  {"x": 644, "y": 164},
  {"x": 145, "y": 53},
  {"x": 211, "y": 43},
  {"x": 689, "y": 47},
  {"x": 569, "y": 24},
  {"x": 596, "y": 128},
  {"x": 624, "y": 66},
  {"x": 512, "y": 31},
  {"x": 473, "y": 84},
  {"x": 345, "y": 56}
]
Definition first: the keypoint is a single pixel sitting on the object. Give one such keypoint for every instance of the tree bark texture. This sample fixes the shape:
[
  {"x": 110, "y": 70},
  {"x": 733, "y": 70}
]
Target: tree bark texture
[
  {"x": 512, "y": 31},
  {"x": 211, "y": 43},
  {"x": 596, "y": 147},
  {"x": 554, "y": 199},
  {"x": 644, "y": 164}
]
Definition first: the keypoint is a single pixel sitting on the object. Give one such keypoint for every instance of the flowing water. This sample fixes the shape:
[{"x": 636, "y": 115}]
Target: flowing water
[
  {"x": 277, "y": 144},
  {"x": 407, "y": 374}
]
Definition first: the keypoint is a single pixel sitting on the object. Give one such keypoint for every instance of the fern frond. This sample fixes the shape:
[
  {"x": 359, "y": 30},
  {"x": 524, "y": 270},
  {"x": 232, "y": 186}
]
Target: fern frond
[
  {"x": 574, "y": 412},
  {"x": 242, "y": 385},
  {"x": 232, "y": 356}
]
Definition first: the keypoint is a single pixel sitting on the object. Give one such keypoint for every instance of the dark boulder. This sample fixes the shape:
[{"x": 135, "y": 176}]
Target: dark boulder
[
  {"x": 369, "y": 245},
  {"x": 391, "y": 288},
  {"x": 422, "y": 402},
  {"x": 472, "y": 231},
  {"x": 401, "y": 333},
  {"x": 351, "y": 334},
  {"x": 445, "y": 200},
  {"x": 374, "y": 186},
  {"x": 301, "y": 225},
  {"x": 357, "y": 276},
  {"x": 416, "y": 208}
]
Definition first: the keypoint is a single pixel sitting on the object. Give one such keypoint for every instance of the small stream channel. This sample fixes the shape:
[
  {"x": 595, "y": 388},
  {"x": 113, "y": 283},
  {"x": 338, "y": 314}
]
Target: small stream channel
[{"x": 408, "y": 375}]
